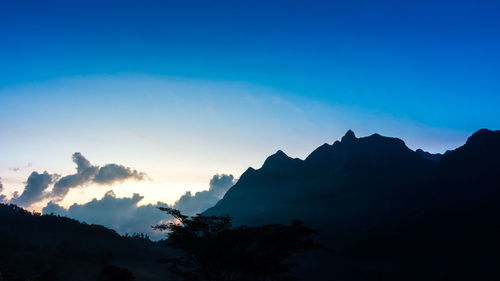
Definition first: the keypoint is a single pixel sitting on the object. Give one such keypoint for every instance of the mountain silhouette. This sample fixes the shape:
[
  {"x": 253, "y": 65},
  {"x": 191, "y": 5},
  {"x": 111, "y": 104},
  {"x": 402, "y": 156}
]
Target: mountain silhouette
[
  {"x": 386, "y": 211},
  {"x": 352, "y": 177},
  {"x": 376, "y": 201},
  {"x": 431, "y": 156}
]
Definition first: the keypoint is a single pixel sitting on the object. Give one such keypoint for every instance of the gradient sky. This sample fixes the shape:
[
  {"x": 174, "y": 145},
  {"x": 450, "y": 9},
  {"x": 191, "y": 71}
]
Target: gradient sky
[{"x": 183, "y": 90}]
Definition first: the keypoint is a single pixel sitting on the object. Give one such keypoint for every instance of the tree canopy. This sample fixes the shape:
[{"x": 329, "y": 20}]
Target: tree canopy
[{"x": 214, "y": 250}]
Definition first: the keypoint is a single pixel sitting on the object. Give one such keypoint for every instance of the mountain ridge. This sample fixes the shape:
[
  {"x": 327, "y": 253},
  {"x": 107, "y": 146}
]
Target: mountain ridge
[
  {"x": 375, "y": 200},
  {"x": 342, "y": 157}
]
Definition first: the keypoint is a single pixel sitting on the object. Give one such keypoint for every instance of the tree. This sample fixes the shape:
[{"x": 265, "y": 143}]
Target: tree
[
  {"x": 213, "y": 250},
  {"x": 115, "y": 273}
]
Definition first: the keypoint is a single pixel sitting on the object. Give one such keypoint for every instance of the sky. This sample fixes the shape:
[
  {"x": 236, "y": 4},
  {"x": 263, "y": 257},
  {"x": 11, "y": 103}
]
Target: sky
[{"x": 181, "y": 91}]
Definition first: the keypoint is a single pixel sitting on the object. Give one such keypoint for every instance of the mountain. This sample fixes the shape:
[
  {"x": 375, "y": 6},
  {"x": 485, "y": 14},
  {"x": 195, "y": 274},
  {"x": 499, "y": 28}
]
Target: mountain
[
  {"x": 350, "y": 179},
  {"x": 389, "y": 213},
  {"x": 431, "y": 156},
  {"x": 47, "y": 247}
]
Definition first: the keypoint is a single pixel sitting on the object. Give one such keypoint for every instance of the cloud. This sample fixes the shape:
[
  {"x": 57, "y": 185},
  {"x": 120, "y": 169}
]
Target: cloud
[
  {"x": 190, "y": 204},
  {"x": 112, "y": 173},
  {"x": 17, "y": 169},
  {"x": 35, "y": 189},
  {"x": 55, "y": 209},
  {"x": 2, "y": 197},
  {"x": 121, "y": 214},
  {"x": 126, "y": 216},
  {"x": 86, "y": 173}
]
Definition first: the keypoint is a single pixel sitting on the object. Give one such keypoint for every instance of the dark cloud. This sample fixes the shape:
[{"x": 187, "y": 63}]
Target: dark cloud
[
  {"x": 125, "y": 215},
  {"x": 2, "y": 197},
  {"x": 121, "y": 214},
  {"x": 55, "y": 209},
  {"x": 35, "y": 189},
  {"x": 190, "y": 204},
  {"x": 87, "y": 173},
  {"x": 112, "y": 173}
]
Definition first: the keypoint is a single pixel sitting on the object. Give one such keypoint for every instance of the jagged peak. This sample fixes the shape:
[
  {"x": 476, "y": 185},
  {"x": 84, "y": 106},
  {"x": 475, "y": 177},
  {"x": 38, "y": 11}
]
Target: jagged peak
[
  {"x": 246, "y": 174},
  {"x": 280, "y": 153},
  {"x": 277, "y": 159},
  {"x": 348, "y": 137}
]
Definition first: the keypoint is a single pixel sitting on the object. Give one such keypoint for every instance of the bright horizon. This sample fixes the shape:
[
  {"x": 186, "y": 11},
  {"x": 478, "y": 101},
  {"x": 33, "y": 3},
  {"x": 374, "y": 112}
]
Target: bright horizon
[
  {"x": 184, "y": 92},
  {"x": 145, "y": 131}
]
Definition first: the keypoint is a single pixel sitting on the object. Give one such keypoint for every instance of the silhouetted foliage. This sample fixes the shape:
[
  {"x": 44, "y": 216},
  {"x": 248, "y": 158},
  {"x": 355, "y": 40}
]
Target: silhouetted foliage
[
  {"x": 215, "y": 251},
  {"x": 137, "y": 236},
  {"x": 389, "y": 212},
  {"x": 115, "y": 273},
  {"x": 47, "y": 276},
  {"x": 48, "y": 247}
]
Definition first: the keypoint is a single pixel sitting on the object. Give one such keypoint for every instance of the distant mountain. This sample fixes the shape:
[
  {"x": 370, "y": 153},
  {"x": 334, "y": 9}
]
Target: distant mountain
[
  {"x": 431, "y": 156},
  {"x": 388, "y": 211},
  {"x": 36, "y": 247}
]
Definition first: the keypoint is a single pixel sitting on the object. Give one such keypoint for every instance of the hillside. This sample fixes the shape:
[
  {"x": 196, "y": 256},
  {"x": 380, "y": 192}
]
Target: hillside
[
  {"x": 57, "y": 248},
  {"x": 387, "y": 211}
]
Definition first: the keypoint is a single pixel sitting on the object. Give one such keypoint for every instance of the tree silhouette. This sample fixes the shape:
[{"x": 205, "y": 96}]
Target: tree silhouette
[
  {"x": 212, "y": 250},
  {"x": 115, "y": 273}
]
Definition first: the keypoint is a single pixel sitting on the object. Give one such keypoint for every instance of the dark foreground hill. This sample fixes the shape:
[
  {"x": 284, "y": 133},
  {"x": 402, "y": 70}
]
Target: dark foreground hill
[
  {"x": 388, "y": 212},
  {"x": 51, "y": 248}
]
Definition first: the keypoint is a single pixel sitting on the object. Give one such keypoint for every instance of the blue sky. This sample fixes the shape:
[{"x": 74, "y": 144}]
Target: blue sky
[{"x": 186, "y": 89}]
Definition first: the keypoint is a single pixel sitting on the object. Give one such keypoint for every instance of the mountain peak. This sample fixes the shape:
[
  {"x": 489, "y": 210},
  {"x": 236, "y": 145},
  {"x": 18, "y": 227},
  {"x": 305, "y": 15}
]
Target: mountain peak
[
  {"x": 278, "y": 160},
  {"x": 348, "y": 137},
  {"x": 277, "y": 157},
  {"x": 280, "y": 154},
  {"x": 429, "y": 156},
  {"x": 481, "y": 136}
]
